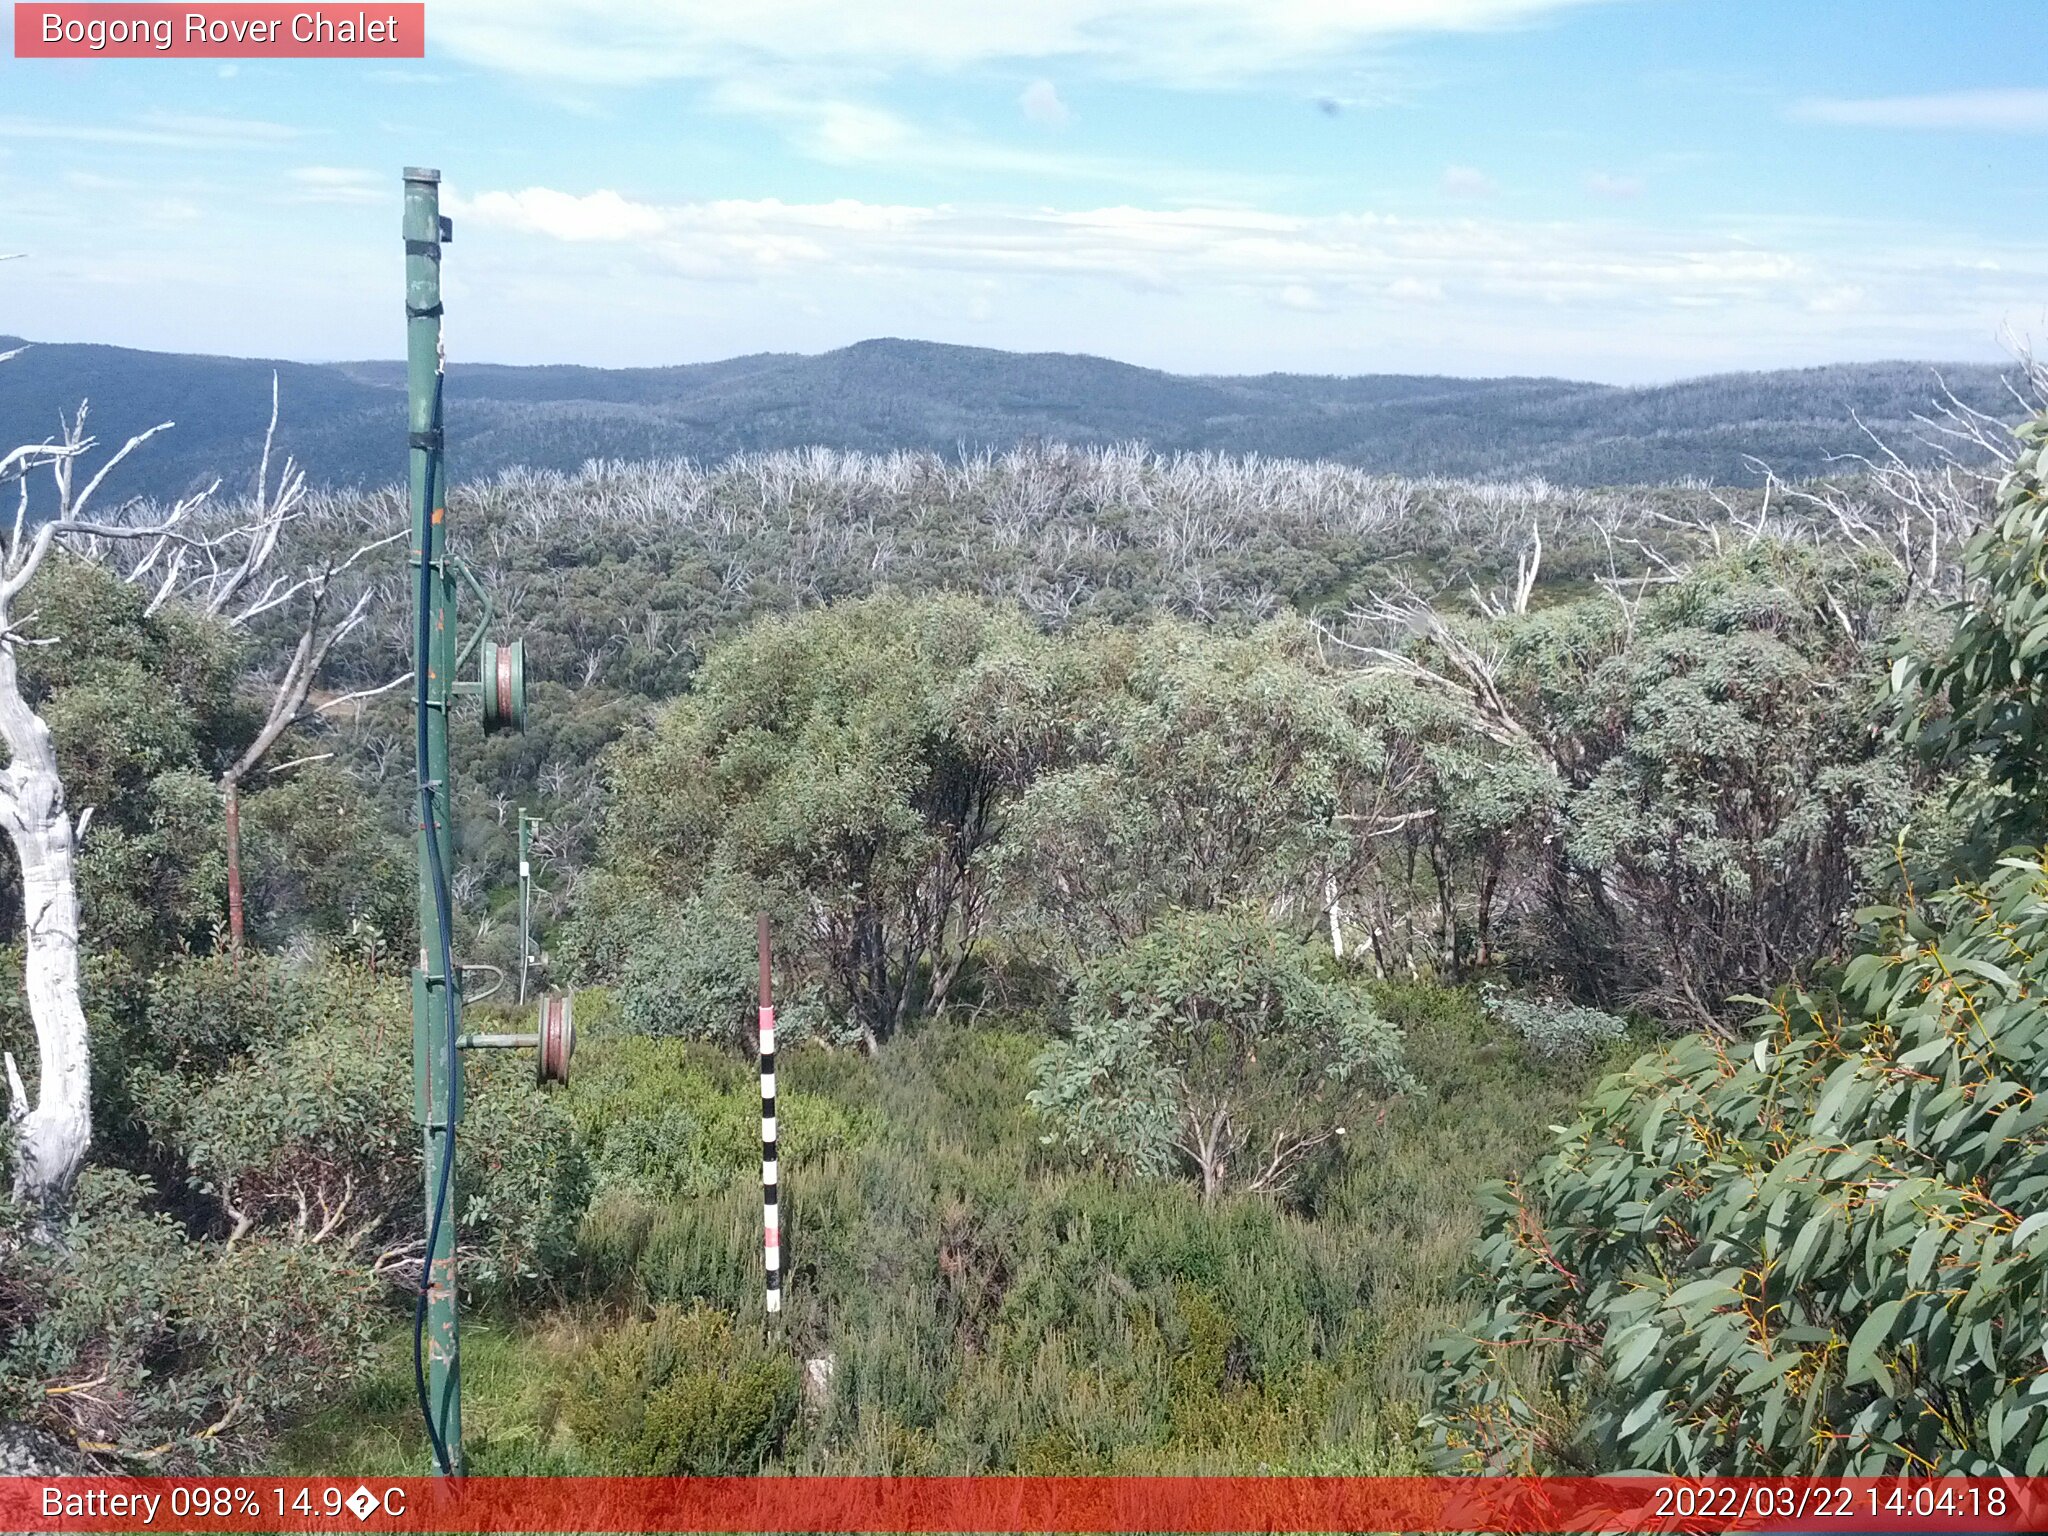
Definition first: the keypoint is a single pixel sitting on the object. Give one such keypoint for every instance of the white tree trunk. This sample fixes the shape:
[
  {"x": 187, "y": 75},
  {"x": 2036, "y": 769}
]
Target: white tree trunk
[{"x": 53, "y": 1133}]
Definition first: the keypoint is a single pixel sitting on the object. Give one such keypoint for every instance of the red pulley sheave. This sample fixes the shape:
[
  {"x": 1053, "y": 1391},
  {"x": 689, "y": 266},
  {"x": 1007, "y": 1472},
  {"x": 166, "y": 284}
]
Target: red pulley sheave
[{"x": 557, "y": 1038}]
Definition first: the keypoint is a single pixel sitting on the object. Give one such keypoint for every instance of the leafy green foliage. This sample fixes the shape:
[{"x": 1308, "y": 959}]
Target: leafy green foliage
[
  {"x": 1817, "y": 1253},
  {"x": 672, "y": 1121},
  {"x": 1720, "y": 776},
  {"x": 286, "y": 1100},
  {"x": 1165, "y": 766},
  {"x": 138, "y": 1344},
  {"x": 320, "y": 862},
  {"x": 949, "y": 807},
  {"x": 1209, "y": 1042},
  {"x": 818, "y": 764},
  {"x": 1985, "y": 701},
  {"x": 689, "y": 970},
  {"x": 987, "y": 1306},
  {"x": 1556, "y": 1029},
  {"x": 138, "y": 707},
  {"x": 523, "y": 1179}
]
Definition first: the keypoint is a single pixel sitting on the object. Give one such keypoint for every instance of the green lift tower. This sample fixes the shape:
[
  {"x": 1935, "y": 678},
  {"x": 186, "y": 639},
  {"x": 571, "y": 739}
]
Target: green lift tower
[{"x": 500, "y": 686}]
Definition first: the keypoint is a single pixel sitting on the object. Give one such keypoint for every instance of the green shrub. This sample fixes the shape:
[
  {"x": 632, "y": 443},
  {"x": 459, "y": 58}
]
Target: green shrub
[
  {"x": 523, "y": 1176},
  {"x": 137, "y": 1343},
  {"x": 1810, "y": 1253},
  {"x": 1821, "y": 1250},
  {"x": 826, "y": 754},
  {"x": 1982, "y": 703},
  {"x": 288, "y": 1101},
  {"x": 692, "y": 974},
  {"x": 681, "y": 1394},
  {"x": 319, "y": 857},
  {"x": 675, "y": 1120},
  {"x": 1554, "y": 1029}
]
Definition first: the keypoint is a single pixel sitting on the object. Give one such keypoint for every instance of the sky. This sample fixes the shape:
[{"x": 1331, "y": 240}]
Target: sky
[{"x": 1620, "y": 190}]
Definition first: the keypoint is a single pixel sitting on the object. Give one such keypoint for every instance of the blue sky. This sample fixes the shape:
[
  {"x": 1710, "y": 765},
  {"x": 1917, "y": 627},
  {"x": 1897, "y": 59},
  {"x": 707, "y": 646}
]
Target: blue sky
[{"x": 1612, "y": 189}]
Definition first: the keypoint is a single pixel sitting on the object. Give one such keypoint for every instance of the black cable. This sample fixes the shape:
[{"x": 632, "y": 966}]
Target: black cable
[{"x": 442, "y": 910}]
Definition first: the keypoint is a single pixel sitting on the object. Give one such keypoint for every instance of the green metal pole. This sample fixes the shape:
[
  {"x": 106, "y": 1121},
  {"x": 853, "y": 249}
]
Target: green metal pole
[{"x": 434, "y": 992}]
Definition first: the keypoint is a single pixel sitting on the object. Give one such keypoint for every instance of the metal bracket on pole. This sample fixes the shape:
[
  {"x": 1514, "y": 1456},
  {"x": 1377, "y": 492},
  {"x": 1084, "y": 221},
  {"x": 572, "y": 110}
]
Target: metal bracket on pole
[
  {"x": 553, "y": 1041},
  {"x": 483, "y": 622},
  {"x": 528, "y": 825}
]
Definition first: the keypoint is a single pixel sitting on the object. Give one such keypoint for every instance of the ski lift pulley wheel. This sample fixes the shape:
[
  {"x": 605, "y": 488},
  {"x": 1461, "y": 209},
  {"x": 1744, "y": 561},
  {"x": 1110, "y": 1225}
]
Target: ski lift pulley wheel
[
  {"x": 501, "y": 680},
  {"x": 557, "y": 1037}
]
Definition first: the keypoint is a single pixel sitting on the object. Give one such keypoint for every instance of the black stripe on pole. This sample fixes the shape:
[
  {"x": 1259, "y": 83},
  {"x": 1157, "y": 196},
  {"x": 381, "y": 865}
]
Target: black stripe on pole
[{"x": 771, "y": 1168}]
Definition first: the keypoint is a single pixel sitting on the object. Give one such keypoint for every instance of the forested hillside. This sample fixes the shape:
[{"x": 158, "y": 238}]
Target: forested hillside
[
  {"x": 882, "y": 396},
  {"x": 1204, "y": 888}
]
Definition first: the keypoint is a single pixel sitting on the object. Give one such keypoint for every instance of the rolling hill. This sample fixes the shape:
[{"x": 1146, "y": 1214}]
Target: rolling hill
[{"x": 344, "y": 421}]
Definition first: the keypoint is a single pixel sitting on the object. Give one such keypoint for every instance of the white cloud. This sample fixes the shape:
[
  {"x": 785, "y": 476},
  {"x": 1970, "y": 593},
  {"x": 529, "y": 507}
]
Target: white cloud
[
  {"x": 1621, "y": 188},
  {"x": 230, "y": 130},
  {"x": 171, "y": 210},
  {"x": 1041, "y": 104},
  {"x": 842, "y": 132},
  {"x": 1464, "y": 181},
  {"x": 158, "y": 130},
  {"x": 340, "y": 184},
  {"x": 1302, "y": 261},
  {"x": 1838, "y": 300},
  {"x": 94, "y": 181},
  {"x": 562, "y": 215},
  {"x": 1209, "y": 289},
  {"x": 2019, "y": 109},
  {"x": 1415, "y": 290},
  {"x": 1179, "y": 42}
]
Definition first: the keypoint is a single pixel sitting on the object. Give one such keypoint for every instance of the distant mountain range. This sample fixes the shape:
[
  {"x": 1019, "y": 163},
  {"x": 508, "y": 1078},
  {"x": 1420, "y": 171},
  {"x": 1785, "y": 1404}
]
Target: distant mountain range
[{"x": 344, "y": 421}]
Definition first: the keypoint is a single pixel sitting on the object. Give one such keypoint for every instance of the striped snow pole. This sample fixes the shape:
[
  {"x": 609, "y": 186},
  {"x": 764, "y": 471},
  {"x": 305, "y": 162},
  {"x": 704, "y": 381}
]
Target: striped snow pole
[{"x": 771, "y": 1211}]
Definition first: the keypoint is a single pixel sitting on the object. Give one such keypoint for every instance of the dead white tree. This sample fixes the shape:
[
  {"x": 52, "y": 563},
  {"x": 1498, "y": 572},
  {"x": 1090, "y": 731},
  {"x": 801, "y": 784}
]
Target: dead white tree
[
  {"x": 1461, "y": 662},
  {"x": 52, "y": 1130},
  {"x": 215, "y": 569},
  {"x": 229, "y": 578},
  {"x": 1528, "y": 565},
  {"x": 1919, "y": 514}
]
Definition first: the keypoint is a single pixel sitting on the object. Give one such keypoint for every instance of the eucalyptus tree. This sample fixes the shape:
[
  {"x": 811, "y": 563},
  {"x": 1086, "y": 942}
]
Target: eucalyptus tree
[
  {"x": 1208, "y": 1045},
  {"x": 1819, "y": 1249},
  {"x": 1684, "y": 786},
  {"x": 819, "y": 766}
]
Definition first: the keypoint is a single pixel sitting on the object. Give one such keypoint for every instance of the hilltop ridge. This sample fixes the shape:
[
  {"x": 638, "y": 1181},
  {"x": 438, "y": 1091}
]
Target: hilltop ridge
[{"x": 343, "y": 420}]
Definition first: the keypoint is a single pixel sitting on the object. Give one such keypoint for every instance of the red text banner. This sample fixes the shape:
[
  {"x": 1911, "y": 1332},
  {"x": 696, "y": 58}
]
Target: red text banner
[
  {"x": 1849, "y": 1506},
  {"x": 220, "y": 31}
]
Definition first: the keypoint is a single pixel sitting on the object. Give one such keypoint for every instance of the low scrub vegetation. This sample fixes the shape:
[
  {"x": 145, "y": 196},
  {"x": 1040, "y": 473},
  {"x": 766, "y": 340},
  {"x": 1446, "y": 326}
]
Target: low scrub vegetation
[{"x": 1213, "y": 903}]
